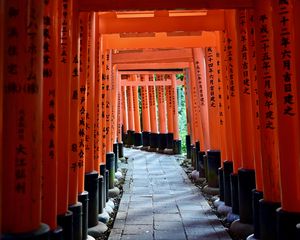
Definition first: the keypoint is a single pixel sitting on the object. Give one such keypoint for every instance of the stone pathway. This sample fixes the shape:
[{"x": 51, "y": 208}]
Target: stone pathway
[{"x": 159, "y": 202}]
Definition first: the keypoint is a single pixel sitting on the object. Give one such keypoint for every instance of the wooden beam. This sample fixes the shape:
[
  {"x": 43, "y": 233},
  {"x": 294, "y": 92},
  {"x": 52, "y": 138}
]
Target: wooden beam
[
  {"x": 211, "y": 22},
  {"x": 178, "y": 55},
  {"x": 149, "y": 83},
  {"x": 147, "y": 72},
  {"x": 161, "y": 40},
  {"x": 149, "y": 66},
  {"x": 142, "y": 5}
]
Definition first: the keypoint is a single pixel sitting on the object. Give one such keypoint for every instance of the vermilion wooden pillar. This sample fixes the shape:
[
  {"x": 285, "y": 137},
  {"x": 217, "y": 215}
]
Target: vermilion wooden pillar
[
  {"x": 257, "y": 194},
  {"x": 187, "y": 95},
  {"x": 136, "y": 113},
  {"x": 97, "y": 106},
  {"x": 287, "y": 98},
  {"x": 161, "y": 102},
  {"x": 49, "y": 169},
  {"x": 246, "y": 174},
  {"x": 170, "y": 119},
  {"x": 225, "y": 119},
  {"x": 177, "y": 140},
  {"x": 200, "y": 112},
  {"x": 83, "y": 18},
  {"x": 124, "y": 113},
  {"x": 145, "y": 112},
  {"x": 153, "y": 115},
  {"x": 232, "y": 56},
  {"x": 64, "y": 61},
  {"x": 22, "y": 118},
  {"x": 197, "y": 76},
  {"x": 108, "y": 98},
  {"x": 74, "y": 205},
  {"x": 131, "y": 128},
  {"x": 268, "y": 118},
  {"x": 1, "y": 93},
  {"x": 212, "y": 104}
]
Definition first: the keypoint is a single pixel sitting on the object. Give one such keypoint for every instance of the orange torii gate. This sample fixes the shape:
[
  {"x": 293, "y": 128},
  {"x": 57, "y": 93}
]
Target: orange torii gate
[{"x": 266, "y": 39}]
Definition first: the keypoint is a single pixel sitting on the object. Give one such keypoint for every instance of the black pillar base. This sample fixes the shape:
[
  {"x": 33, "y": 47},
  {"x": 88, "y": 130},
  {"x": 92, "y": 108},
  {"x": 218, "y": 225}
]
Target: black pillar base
[
  {"x": 205, "y": 166},
  {"x": 286, "y": 224},
  {"x": 200, "y": 164},
  {"x": 125, "y": 138},
  {"x": 76, "y": 209},
  {"x": 104, "y": 191},
  {"x": 188, "y": 146},
  {"x": 41, "y": 234},
  {"x": 84, "y": 199},
  {"x": 267, "y": 219},
  {"x": 91, "y": 185},
  {"x": 197, "y": 146},
  {"x": 234, "y": 182},
  {"x": 221, "y": 183},
  {"x": 66, "y": 222},
  {"x": 121, "y": 150},
  {"x": 101, "y": 185},
  {"x": 130, "y": 137},
  {"x": 106, "y": 185},
  {"x": 256, "y": 197},
  {"x": 146, "y": 139},
  {"x": 162, "y": 141},
  {"x": 170, "y": 139},
  {"x": 138, "y": 139},
  {"x": 228, "y": 169},
  {"x": 246, "y": 180},
  {"x": 194, "y": 157},
  {"x": 116, "y": 152},
  {"x": 177, "y": 146},
  {"x": 213, "y": 164},
  {"x": 110, "y": 164},
  {"x": 154, "y": 140},
  {"x": 56, "y": 234}
]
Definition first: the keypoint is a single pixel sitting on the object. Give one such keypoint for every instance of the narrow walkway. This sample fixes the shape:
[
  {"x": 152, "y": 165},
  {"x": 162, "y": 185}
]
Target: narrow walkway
[{"x": 160, "y": 202}]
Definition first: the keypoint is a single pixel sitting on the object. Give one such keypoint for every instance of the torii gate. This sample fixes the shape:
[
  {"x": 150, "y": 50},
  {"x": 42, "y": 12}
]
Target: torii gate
[{"x": 254, "y": 48}]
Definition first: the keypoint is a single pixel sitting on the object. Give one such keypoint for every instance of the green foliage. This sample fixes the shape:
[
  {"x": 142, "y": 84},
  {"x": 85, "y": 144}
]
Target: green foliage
[{"x": 182, "y": 121}]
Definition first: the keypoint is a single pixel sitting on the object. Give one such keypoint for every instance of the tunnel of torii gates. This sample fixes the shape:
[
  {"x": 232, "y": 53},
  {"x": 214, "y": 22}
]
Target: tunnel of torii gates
[{"x": 70, "y": 73}]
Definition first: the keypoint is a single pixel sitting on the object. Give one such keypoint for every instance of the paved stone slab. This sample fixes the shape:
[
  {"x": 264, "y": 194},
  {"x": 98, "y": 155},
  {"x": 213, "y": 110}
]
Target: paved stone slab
[{"x": 160, "y": 203}]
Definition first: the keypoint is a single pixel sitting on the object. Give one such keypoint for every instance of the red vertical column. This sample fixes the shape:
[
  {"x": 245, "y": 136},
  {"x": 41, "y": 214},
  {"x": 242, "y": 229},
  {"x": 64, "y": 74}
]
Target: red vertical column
[
  {"x": 97, "y": 107},
  {"x": 153, "y": 114},
  {"x": 225, "y": 117},
  {"x": 198, "y": 86},
  {"x": 145, "y": 111},
  {"x": 102, "y": 111},
  {"x": 83, "y": 19},
  {"x": 130, "y": 113},
  {"x": 187, "y": 93},
  {"x": 1, "y": 93},
  {"x": 90, "y": 87},
  {"x": 74, "y": 110},
  {"x": 268, "y": 118},
  {"x": 254, "y": 97},
  {"x": 49, "y": 194},
  {"x": 287, "y": 96},
  {"x": 169, "y": 101},
  {"x": 63, "y": 113},
  {"x": 108, "y": 106},
  {"x": 246, "y": 174},
  {"x": 161, "y": 112},
  {"x": 233, "y": 67},
  {"x": 177, "y": 140},
  {"x": 211, "y": 88},
  {"x": 22, "y": 118},
  {"x": 124, "y": 110},
  {"x": 136, "y": 112}
]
